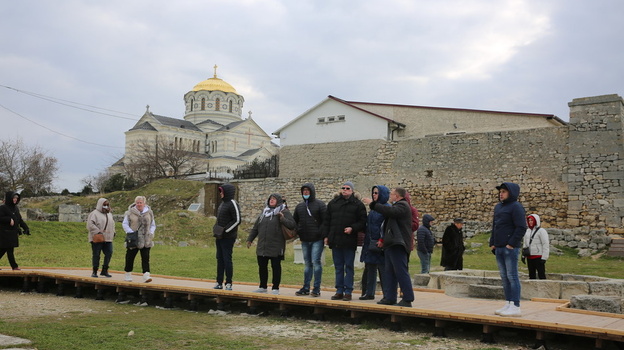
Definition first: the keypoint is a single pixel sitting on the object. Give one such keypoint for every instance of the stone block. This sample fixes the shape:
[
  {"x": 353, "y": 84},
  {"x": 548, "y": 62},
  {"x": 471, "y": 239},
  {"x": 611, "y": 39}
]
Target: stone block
[
  {"x": 607, "y": 288},
  {"x": 597, "y": 303},
  {"x": 540, "y": 289},
  {"x": 572, "y": 288},
  {"x": 485, "y": 291},
  {"x": 458, "y": 285},
  {"x": 421, "y": 279}
]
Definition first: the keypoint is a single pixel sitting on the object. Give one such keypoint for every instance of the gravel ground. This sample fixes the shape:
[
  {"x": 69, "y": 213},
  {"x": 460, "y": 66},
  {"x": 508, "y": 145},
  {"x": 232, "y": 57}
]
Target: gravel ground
[{"x": 23, "y": 306}]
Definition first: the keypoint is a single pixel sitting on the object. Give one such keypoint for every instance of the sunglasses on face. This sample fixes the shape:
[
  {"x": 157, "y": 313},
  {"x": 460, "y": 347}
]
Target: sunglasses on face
[
  {"x": 375, "y": 192},
  {"x": 346, "y": 188}
]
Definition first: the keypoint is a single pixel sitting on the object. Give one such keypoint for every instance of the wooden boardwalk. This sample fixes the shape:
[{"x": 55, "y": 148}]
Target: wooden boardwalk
[{"x": 540, "y": 315}]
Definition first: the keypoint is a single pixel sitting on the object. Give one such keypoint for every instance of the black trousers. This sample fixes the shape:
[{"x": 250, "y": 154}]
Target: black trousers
[
  {"x": 10, "y": 255},
  {"x": 145, "y": 259},
  {"x": 537, "y": 268},
  {"x": 263, "y": 270}
]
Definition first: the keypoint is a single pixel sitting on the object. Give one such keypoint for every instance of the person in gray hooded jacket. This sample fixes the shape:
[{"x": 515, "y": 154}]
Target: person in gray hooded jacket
[
  {"x": 100, "y": 222},
  {"x": 271, "y": 242}
]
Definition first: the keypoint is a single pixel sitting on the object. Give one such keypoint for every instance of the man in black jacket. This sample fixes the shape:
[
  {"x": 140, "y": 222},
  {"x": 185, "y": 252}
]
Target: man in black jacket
[
  {"x": 309, "y": 216},
  {"x": 453, "y": 246},
  {"x": 396, "y": 240},
  {"x": 228, "y": 217},
  {"x": 346, "y": 216}
]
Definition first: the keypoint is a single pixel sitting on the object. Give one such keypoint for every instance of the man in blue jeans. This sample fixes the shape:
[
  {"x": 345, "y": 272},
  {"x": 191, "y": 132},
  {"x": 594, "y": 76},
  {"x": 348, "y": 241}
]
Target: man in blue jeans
[
  {"x": 346, "y": 216},
  {"x": 309, "y": 216},
  {"x": 508, "y": 228}
]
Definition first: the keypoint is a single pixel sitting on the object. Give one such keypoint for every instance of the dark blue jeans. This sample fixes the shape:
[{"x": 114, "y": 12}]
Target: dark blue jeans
[
  {"x": 97, "y": 249},
  {"x": 369, "y": 278},
  {"x": 312, "y": 252},
  {"x": 225, "y": 246},
  {"x": 344, "y": 264},
  {"x": 397, "y": 273},
  {"x": 507, "y": 260},
  {"x": 425, "y": 261}
]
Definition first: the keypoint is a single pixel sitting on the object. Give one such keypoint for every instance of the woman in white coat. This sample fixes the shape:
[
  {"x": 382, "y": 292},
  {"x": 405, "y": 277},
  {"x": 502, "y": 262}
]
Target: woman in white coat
[{"x": 536, "y": 239}]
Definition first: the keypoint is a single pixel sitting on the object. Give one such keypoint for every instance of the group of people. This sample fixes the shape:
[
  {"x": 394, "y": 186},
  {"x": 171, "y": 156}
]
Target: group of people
[{"x": 388, "y": 240}]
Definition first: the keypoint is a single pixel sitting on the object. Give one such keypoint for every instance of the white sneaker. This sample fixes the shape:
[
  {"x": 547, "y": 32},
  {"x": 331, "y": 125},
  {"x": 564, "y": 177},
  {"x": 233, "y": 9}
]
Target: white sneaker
[
  {"x": 228, "y": 286},
  {"x": 275, "y": 291},
  {"x": 128, "y": 277},
  {"x": 512, "y": 311},
  {"x": 260, "y": 290},
  {"x": 147, "y": 278},
  {"x": 507, "y": 303}
]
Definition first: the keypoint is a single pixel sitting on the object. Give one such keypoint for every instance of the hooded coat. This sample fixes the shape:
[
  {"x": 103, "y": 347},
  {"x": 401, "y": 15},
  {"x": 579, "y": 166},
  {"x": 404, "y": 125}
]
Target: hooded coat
[
  {"x": 143, "y": 222},
  {"x": 509, "y": 221},
  {"x": 374, "y": 224},
  {"x": 540, "y": 244},
  {"x": 268, "y": 229},
  {"x": 452, "y": 247},
  {"x": 424, "y": 237},
  {"x": 397, "y": 229},
  {"x": 100, "y": 222},
  {"x": 342, "y": 213},
  {"x": 309, "y": 216},
  {"x": 228, "y": 214},
  {"x": 9, "y": 210}
]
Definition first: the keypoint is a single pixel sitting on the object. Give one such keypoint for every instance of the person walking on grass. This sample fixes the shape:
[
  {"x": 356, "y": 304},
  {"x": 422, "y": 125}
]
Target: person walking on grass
[{"x": 508, "y": 228}]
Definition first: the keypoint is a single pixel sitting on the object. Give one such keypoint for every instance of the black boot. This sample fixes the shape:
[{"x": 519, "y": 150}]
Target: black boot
[
  {"x": 105, "y": 272},
  {"x": 94, "y": 274}
]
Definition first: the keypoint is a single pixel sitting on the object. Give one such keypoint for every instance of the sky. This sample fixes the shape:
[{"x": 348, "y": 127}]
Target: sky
[{"x": 75, "y": 75}]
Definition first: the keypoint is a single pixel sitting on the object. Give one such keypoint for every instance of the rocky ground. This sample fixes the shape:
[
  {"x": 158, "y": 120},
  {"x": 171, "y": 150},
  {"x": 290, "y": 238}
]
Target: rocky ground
[{"x": 23, "y": 306}]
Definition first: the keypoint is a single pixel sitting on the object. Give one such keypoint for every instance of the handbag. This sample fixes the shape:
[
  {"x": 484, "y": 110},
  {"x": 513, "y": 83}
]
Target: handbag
[
  {"x": 372, "y": 246},
  {"x": 98, "y": 238},
  {"x": 132, "y": 239},
  {"x": 289, "y": 234},
  {"x": 217, "y": 231},
  {"x": 526, "y": 251}
]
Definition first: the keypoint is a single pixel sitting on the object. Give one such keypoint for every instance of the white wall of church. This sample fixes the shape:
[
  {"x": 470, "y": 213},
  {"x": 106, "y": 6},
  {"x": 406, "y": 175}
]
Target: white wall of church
[{"x": 356, "y": 125}]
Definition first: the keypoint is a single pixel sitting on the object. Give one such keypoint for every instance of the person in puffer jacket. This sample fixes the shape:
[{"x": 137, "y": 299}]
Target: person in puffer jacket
[
  {"x": 271, "y": 242},
  {"x": 508, "y": 228},
  {"x": 309, "y": 216},
  {"x": 229, "y": 218},
  {"x": 536, "y": 239},
  {"x": 426, "y": 242}
]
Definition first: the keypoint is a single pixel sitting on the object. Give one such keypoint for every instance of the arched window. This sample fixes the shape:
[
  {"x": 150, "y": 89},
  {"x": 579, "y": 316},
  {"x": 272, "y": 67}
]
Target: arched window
[
  {"x": 203, "y": 104},
  {"x": 192, "y": 102},
  {"x": 218, "y": 105},
  {"x": 230, "y": 106}
]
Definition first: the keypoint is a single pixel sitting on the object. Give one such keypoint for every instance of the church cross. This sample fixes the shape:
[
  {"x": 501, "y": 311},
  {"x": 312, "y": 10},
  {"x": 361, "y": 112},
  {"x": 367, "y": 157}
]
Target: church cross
[{"x": 215, "y": 70}]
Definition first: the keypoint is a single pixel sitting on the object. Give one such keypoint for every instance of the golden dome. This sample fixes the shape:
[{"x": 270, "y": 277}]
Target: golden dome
[{"x": 214, "y": 84}]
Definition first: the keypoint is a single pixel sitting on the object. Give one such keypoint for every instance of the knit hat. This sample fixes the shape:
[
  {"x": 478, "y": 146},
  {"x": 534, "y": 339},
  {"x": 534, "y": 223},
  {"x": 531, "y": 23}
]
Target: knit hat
[{"x": 350, "y": 184}]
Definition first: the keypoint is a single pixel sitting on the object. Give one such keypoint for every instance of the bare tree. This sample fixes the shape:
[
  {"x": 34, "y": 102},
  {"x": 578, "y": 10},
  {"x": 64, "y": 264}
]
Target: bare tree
[
  {"x": 152, "y": 160},
  {"x": 26, "y": 168},
  {"x": 97, "y": 182}
]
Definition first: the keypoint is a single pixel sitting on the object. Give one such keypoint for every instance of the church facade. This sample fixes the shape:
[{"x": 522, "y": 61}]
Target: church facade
[{"x": 212, "y": 137}]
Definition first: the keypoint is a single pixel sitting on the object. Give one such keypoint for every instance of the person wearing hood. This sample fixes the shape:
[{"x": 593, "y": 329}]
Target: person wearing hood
[
  {"x": 228, "y": 220},
  {"x": 395, "y": 240},
  {"x": 536, "y": 239},
  {"x": 11, "y": 226},
  {"x": 271, "y": 242},
  {"x": 139, "y": 218},
  {"x": 372, "y": 256},
  {"x": 453, "y": 246},
  {"x": 508, "y": 228},
  {"x": 100, "y": 222},
  {"x": 425, "y": 243},
  {"x": 309, "y": 215},
  {"x": 346, "y": 216}
]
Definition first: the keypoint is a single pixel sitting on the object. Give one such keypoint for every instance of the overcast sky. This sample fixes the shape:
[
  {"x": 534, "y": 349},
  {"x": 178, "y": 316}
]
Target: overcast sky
[{"x": 286, "y": 56}]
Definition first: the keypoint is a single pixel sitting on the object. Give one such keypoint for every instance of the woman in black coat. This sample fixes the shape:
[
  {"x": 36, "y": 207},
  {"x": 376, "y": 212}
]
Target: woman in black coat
[{"x": 11, "y": 226}]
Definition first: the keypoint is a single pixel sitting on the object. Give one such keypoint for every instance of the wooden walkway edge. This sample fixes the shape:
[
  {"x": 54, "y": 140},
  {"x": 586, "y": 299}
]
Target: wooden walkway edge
[{"x": 540, "y": 315}]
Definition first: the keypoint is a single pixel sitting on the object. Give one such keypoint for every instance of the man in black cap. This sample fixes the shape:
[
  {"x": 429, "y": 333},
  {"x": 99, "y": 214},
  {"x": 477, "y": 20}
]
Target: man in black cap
[{"x": 453, "y": 246}]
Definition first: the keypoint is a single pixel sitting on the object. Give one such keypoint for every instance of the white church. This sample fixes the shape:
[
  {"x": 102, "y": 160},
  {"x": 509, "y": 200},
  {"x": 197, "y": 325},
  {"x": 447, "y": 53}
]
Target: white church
[{"x": 212, "y": 131}]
